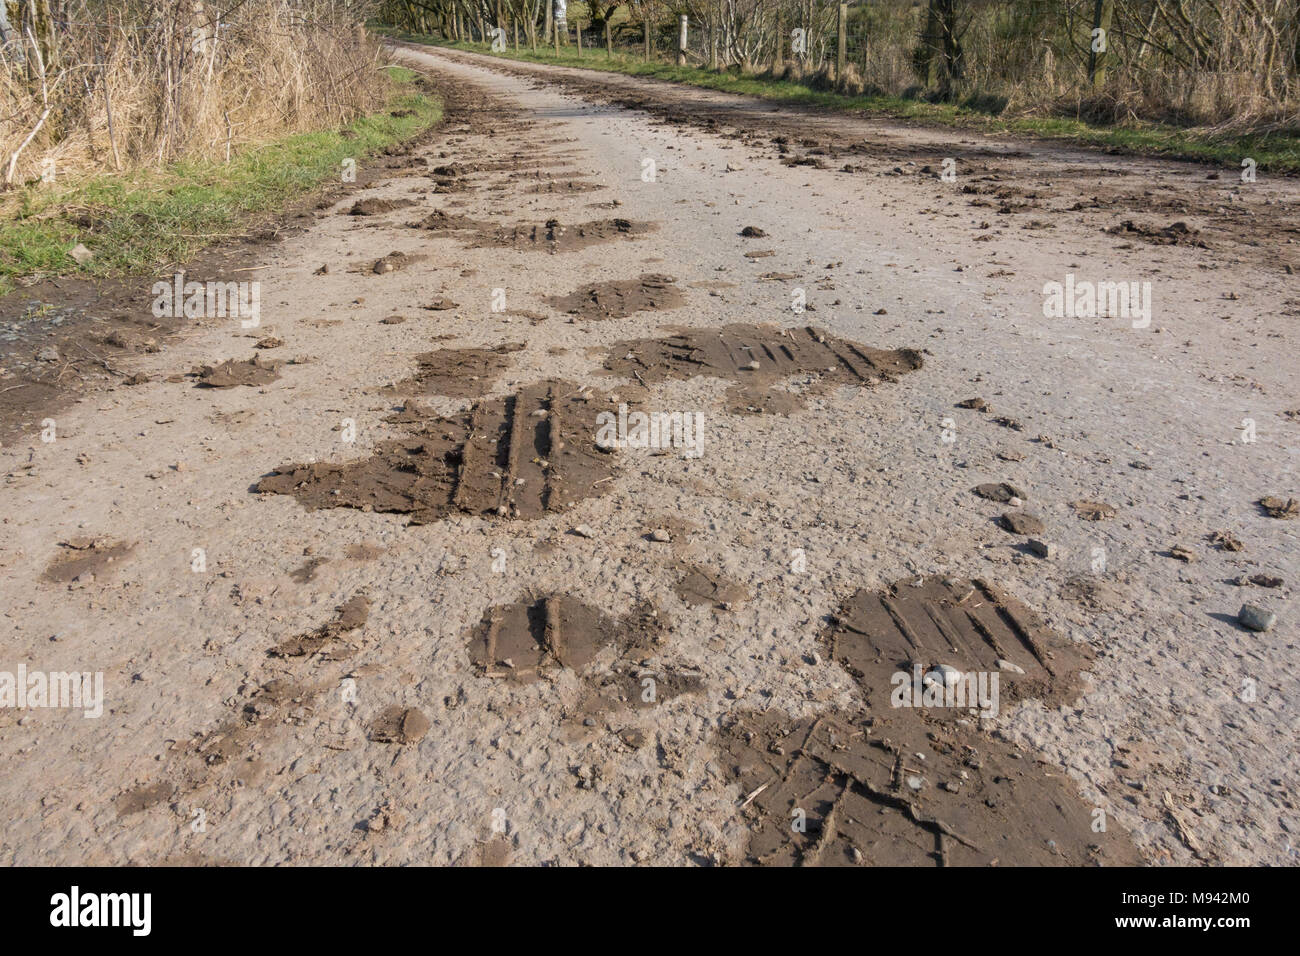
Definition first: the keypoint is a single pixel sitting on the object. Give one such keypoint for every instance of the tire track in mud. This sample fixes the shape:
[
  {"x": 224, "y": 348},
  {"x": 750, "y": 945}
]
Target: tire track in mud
[
  {"x": 911, "y": 778},
  {"x": 519, "y": 456}
]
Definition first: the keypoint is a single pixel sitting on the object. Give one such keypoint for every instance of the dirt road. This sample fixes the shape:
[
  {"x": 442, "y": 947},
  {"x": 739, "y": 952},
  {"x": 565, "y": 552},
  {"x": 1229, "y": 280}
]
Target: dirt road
[{"x": 399, "y": 592}]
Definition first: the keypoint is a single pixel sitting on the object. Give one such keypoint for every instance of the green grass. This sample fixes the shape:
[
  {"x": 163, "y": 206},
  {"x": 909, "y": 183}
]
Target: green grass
[
  {"x": 1276, "y": 152},
  {"x": 134, "y": 223}
]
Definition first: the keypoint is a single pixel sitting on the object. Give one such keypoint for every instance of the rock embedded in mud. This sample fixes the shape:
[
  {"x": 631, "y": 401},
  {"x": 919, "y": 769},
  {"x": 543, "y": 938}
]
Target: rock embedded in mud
[
  {"x": 1276, "y": 507},
  {"x": 1041, "y": 549},
  {"x": 1017, "y": 522},
  {"x": 391, "y": 263},
  {"x": 1000, "y": 492},
  {"x": 1256, "y": 618}
]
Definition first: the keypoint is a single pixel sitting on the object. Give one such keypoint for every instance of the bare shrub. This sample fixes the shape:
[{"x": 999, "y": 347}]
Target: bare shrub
[{"x": 117, "y": 84}]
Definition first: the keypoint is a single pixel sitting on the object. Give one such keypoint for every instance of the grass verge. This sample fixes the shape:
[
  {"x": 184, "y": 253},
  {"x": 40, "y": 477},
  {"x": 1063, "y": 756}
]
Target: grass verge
[
  {"x": 1276, "y": 152},
  {"x": 134, "y": 222}
]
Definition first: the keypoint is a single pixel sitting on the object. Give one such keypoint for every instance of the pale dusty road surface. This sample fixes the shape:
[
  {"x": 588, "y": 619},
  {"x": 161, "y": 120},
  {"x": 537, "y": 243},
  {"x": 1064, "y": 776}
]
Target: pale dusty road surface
[{"x": 389, "y": 602}]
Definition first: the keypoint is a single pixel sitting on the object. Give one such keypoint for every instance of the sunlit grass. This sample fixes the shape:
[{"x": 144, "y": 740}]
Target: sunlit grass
[{"x": 137, "y": 222}]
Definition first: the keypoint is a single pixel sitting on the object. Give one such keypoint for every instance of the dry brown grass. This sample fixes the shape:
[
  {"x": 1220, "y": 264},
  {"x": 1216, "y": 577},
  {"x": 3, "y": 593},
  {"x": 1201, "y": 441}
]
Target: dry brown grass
[{"x": 95, "y": 85}]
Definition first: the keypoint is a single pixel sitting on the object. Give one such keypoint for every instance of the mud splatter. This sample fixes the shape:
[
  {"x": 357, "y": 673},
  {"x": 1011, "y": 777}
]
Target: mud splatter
[
  {"x": 1177, "y": 234},
  {"x": 399, "y": 725},
  {"x": 348, "y": 616},
  {"x": 553, "y": 236},
  {"x": 1276, "y": 507},
  {"x": 564, "y": 187}
]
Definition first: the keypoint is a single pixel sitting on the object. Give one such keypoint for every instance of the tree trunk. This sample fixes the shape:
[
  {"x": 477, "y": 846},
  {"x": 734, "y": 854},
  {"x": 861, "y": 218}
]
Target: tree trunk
[{"x": 1099, "y": 60}]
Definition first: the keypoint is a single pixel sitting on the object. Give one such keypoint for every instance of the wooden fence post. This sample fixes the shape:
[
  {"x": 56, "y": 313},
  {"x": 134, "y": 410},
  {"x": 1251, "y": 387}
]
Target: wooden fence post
[
  {"x": 681, "y": 44},
  {"x": 842, "y": 46}
]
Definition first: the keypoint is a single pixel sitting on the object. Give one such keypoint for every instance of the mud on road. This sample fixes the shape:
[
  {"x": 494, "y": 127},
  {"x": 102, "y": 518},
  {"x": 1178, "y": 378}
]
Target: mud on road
[{"x": 386, "y": 598}]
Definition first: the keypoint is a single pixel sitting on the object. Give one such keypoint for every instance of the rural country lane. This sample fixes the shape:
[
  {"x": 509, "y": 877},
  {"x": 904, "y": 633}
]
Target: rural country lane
[{"x": 588, "y": 478}]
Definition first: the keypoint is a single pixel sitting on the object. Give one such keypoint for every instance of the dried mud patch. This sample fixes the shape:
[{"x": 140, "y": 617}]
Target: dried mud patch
[
  {"x": 85, "y": 559},
  {"x": 972, "y": 626},
  {"x": 519, "y": 456},
  {"x": 231, "y": 373},
  {"x": 143, "y": 797},
  {"x": 564, "y": 187},
  {"x": 870, "y": 791},
  {"x": 523, "y": 640},
  {"x": 758, "y": 355},
  {"x": 459, "y": 373},
  {"x": 399, "y": 725},
  {"x": 441, "y": 221},
  {"x": 1176, "y": 234},
  {"x": 917, "y": 784},
  {"x": 762, "y": 400},
  {"x": 699, "y": 586},
  {"x": 621, "y": 298},
  {"x": 377, "y": 207},
  {"x": 349, "y": 616},
  {"x": 553, "y": 236}
]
